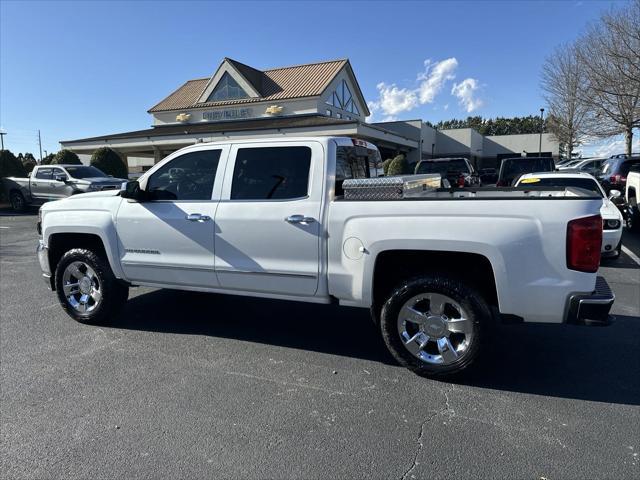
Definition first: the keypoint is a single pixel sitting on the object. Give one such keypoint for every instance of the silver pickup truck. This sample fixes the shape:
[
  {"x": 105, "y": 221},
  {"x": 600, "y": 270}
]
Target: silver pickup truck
[{"x": 53, "y": 182}]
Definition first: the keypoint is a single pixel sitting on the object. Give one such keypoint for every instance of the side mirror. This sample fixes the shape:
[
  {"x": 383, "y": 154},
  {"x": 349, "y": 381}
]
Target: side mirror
[
  {"x": 132, "y": 190},
  {"x": 614, "y": 194}
]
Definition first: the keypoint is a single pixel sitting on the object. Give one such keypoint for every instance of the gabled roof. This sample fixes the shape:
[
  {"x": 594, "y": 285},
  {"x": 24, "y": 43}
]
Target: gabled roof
[{"x": 299, "y": 81}]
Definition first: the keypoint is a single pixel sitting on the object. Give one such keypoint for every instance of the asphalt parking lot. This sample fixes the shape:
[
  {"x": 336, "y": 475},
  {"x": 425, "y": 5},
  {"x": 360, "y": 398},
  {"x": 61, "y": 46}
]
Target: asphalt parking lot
[{"x": 186, "y": 385}]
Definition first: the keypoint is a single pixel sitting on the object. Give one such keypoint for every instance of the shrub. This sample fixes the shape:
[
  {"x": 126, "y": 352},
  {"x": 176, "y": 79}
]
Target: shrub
[
  {"x": 66, "y": 156},
  {"x": 108, "y": 160},
  {"x": 385, "y": 165},
  {"x": 398, "y": 166},
  {"x": 10, "y": 166},
  {"x": 48, "y": 159},
  {"x": 29, "y": 162}
]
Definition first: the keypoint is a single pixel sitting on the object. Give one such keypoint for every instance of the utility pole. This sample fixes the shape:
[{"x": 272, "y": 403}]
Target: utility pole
[
  {"x": 2, "y": 134},
  {"x": 541, "y": 126},
  {"x": 40, "y": 144}
]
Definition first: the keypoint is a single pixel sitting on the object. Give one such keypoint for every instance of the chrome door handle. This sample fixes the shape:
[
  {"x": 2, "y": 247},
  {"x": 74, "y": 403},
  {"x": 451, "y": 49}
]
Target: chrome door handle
[
  {"x": 299, "y": 219},
  {"x": 198, "y": 217}
]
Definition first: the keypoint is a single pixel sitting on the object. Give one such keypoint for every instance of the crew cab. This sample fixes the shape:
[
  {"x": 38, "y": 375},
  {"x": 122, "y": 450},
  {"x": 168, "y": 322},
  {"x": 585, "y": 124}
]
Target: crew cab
[
  {"x": 278, "y": 218},
  {"x": 53, "y": 182},
  {"x": 458, "y": 171}
]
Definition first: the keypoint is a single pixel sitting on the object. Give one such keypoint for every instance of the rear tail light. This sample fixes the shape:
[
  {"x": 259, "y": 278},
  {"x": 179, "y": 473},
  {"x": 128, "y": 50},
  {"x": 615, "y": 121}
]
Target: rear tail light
[
  {"x": 617, "y": 178},
  {"x": 461, "y": 181},
  {"x": 584, "y": 241}
]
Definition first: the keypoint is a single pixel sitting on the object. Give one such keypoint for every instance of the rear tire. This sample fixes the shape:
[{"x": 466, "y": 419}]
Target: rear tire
[
  {"x": 87, "y": 288},
  {"x": 434, "y": 325},
  {"x": 18, "y": 203},
  {"x": 633, "y": 218}
]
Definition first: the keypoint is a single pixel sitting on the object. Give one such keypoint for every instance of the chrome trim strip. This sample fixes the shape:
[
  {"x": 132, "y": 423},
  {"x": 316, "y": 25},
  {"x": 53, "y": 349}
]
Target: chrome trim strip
[
  {"x": 251, "y": 272},
  {"x": 182, "y": 267}
]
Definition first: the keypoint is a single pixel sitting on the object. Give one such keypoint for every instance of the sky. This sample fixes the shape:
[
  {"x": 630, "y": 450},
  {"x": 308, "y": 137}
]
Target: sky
[{"x": 80, "y": 69}]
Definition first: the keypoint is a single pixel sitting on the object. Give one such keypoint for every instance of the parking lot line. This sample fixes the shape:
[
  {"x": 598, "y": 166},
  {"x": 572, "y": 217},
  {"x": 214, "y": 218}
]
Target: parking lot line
[{"x": 633, "y": 256}]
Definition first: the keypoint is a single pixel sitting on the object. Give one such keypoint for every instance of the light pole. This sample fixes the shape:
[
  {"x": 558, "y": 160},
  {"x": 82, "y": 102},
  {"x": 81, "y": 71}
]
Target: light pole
[
  {"x": 2, "y": 134},
  {"x": 541, "y": 125}
]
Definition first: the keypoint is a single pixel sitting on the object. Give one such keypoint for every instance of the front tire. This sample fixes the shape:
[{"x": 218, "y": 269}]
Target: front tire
[
  {"x": 434, "y": 325},
  {"x": 633, "y": 218},
  {"x": 18, "y": 203},
  {"x": 87, "y": 288}
]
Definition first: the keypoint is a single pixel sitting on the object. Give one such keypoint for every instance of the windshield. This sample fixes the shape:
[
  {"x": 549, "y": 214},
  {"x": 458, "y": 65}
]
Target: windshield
[
  {"x": 515, "y": 167},
  {"x": 584, "y": 183},
  {"x": 457, "y": 165},
  {"x": 85, "y": 172}
]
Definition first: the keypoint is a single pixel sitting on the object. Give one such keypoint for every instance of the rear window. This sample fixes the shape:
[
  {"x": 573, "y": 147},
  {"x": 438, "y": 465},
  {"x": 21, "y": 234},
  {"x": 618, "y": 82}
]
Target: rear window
[
  {"x": 457, "y": 165},
  {"x": 356, "y": 162},
  {"x": 513, "y": 168}
]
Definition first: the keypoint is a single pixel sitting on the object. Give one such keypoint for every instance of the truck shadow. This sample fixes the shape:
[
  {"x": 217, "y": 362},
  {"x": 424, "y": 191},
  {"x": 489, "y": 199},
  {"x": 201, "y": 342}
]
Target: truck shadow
[{"x": 599, "y": 364}]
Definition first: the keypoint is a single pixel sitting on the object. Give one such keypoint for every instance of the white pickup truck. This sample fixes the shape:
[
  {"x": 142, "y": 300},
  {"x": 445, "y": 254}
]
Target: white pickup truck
[
  {"x": 268, "y": 218},
  {"x": 632, "y": 198}
]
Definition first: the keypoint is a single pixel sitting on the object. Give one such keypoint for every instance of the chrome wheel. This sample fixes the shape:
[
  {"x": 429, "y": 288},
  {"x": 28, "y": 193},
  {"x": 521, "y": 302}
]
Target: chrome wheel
[
  {"x": 435, "y": 328},
  {"x": 81, "y": 287}
]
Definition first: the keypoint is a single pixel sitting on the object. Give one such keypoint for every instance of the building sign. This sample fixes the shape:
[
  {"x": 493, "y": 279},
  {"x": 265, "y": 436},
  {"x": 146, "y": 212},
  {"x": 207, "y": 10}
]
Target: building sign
[{"x": 231, "y": 114}]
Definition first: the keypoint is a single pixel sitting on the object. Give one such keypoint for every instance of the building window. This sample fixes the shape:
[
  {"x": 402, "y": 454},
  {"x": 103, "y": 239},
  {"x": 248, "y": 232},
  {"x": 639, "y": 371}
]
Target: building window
[
  {"x": 227, "y": 89},
  {"x": 271, "y": 173},
  {"x": 343, "y": 99},
  {"x": 328, "y": 112},
  {"x": 338, "y": 115}
]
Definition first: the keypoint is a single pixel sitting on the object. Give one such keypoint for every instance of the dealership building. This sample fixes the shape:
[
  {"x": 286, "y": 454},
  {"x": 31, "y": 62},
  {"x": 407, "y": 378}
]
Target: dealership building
[{"x": 323, "y": 98}]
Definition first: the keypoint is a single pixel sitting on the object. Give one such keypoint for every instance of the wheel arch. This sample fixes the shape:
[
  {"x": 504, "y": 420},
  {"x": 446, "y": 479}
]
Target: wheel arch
[{"x": 392, "y": 266}]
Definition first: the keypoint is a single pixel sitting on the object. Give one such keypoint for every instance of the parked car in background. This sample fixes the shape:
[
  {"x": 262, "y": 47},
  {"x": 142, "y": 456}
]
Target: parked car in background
[
  {"x": 458, "y": 171},
  {"x": 512, "y": 168},
  {"x": 632, "y": 198},
  {"x": 613, "y": 175},
  {"x": 568, "y": 163},
  {"x": 53, "y": 182},
  {"x": 589, "y": 165},
  {"x": 612, "y": 219},
  {"x": 488, "y": 176},
  {"x": 266, "y": 217}
]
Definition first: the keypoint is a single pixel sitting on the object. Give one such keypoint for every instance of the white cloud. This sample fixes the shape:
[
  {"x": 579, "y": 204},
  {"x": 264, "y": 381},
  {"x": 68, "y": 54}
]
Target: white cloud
[
  {"x": 466, "y": 93},
  {"x": 434, "y": 77},
  {"x": 606, "y": 148},
  {"x": 393, "y": 100}
]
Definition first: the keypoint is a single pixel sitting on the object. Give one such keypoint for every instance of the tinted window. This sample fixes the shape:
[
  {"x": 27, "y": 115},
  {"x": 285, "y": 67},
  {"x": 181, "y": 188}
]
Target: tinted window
[
  {"x": 85, "y": 172},
  {"x": 187, "y": 177},
  {"x": 271, "y": 173},
  {"x": 356, "y": 162},
  {"x": 458, "y": 165},
  {"x": 56, "y": 172},
  {"x": 44, "y": 173},
  {"x": 513, "y": 168},
  {"x": 626, "y": 166}
]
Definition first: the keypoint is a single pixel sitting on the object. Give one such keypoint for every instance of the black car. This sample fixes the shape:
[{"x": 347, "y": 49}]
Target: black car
[
  {"x": 613, "y": 175},
  {"x": 512, "y": 168},
  {"x": 458, "y": 171},
  {"x": 488, "y": 175}
]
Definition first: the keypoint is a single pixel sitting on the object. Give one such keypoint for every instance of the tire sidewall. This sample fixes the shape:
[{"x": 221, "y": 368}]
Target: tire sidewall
[
  {"x": 109, "y": 287},
  {"x": 467, "y": 298},
  {"x": 20, "y": 200}
]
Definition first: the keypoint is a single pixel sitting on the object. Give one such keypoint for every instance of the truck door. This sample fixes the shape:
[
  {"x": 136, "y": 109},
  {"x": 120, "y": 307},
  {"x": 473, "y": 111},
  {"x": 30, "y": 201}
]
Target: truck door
[
  {"x": 170, "y": 238},
  {"x": 268, "y": 223},
  {"x": 58, "y": 187},
  {"x": 39, "y": 183}
]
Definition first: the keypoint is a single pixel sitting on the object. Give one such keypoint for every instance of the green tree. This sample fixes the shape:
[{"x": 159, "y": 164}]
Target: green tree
[
  {"x": 48, "y": 159},
  {"x": 108, "y": 160},
  {"x": 10, "y": 166},
  {"x": 29, "y": 162},
  {"x": 65, "y": 156},
  {"x": 398, "y": 166}
]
